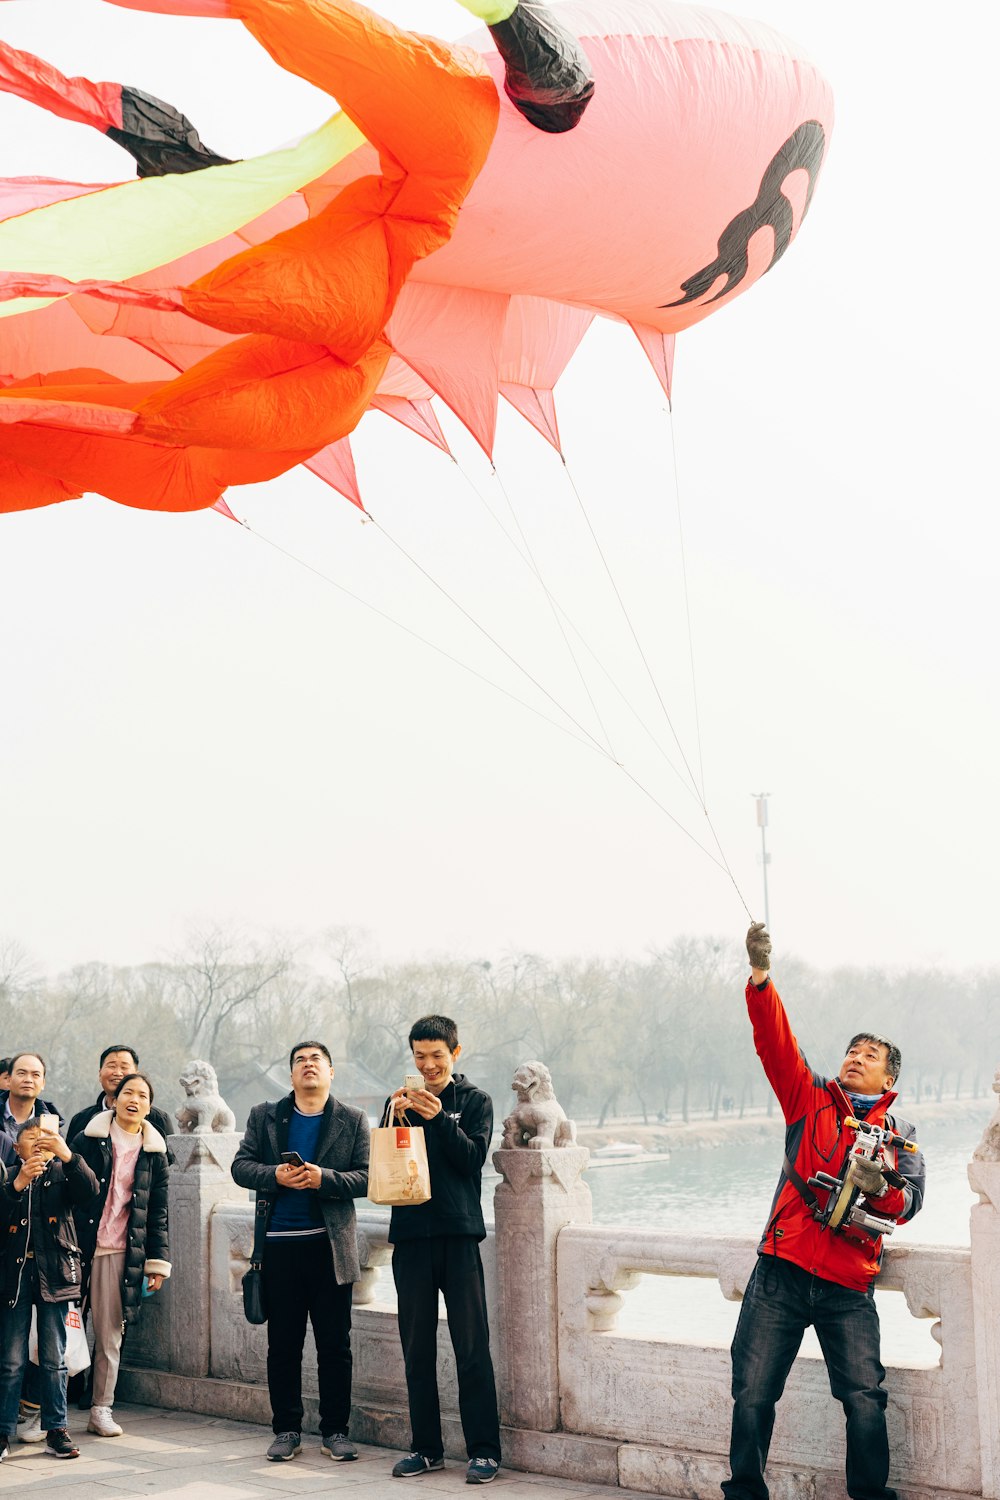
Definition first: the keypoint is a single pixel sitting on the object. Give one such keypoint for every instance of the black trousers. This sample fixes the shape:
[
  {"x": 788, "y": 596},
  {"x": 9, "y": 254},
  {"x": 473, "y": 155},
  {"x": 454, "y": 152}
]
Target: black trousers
[
  {"x": 299, "y": 1283},
  {"x": 450, "y": 1264}
]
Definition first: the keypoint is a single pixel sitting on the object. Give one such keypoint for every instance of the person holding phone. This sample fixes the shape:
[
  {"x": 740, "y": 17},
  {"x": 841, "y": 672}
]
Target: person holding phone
[
  {"x": 123, "y": 1235},
  {"x": 40, "y": 1269},
  {"x": 435, "y": 1249},
  {"x": 307, "y": 1157},
  {"x": 22, "y": 1100}
]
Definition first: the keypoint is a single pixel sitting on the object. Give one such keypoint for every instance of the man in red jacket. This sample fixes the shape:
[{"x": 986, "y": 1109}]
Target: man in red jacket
[{"x": 807, "y": 1273}]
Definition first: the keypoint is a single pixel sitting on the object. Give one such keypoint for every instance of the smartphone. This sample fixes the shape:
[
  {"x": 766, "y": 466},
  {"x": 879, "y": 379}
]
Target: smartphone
[
  {"x": 292, "y": 1159},
  {"x": 412, "y": 1081},
  {"x": 49, "y": 1123}
]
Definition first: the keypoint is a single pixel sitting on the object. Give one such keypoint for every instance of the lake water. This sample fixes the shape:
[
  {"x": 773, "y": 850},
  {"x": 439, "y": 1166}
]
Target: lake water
[{"x": 728, "y": 1190}]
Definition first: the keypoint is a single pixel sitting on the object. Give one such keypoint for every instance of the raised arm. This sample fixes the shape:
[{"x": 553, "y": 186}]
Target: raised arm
[{"x": 788, "y": 1073}]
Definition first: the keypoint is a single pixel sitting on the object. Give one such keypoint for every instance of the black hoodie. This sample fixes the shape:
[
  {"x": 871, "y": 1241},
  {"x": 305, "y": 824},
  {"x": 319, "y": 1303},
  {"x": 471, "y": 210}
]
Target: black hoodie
[{"x": 457, "y": 1142}]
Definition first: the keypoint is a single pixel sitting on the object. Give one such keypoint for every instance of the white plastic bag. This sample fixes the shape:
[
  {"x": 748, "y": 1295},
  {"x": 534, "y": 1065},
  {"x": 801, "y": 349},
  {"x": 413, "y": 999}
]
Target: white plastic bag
[{"x": 77, "y": 1352}]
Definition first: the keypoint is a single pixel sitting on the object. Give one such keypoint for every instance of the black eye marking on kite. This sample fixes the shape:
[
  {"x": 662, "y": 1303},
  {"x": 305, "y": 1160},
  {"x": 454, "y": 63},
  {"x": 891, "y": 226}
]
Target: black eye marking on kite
[
  {"x": 803, "y": 149},
  {"x": 161, "y": 139}
]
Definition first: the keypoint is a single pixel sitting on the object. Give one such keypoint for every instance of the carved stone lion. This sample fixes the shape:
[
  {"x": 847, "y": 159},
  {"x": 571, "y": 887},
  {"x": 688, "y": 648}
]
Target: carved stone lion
[
  {"x": 539, "y": 1120},
  {"x": 204, "y": 1110},
  {"x": 989, "y": 1147}
]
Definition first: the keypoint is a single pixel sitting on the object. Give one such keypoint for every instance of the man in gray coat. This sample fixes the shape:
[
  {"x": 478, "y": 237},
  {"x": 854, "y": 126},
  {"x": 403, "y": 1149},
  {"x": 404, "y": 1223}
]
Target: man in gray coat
[{"x": 306, "y": 1158}]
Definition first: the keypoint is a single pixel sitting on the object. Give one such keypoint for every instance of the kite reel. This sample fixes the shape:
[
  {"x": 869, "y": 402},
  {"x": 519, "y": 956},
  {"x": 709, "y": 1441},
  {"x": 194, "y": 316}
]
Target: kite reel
[{"x": 843, "y": 1212}]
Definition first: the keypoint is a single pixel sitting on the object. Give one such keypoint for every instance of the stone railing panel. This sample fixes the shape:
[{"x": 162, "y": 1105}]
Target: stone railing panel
[
  {"x": 632, "y": 1387},
  {"x": 239, "y": 1349}
]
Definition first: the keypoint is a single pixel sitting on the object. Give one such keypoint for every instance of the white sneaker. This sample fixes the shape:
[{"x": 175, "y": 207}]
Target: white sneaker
[
  {"x": 30, "y": 1430},
  {"x": 103, "y": 1423}
]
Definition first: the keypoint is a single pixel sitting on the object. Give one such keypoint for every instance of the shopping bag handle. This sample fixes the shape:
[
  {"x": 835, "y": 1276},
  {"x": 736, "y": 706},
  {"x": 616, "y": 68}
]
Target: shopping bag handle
[{"x": 388, "y": 1115}]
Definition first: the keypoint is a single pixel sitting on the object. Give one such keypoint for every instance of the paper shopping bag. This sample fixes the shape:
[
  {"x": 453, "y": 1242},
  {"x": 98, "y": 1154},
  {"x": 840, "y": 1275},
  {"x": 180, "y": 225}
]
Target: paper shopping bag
[{"x": 397, "y": 1167}]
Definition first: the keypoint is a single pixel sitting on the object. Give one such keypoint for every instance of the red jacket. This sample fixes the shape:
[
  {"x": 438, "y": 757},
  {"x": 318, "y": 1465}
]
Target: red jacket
[{"x": 816, "y": 1140}]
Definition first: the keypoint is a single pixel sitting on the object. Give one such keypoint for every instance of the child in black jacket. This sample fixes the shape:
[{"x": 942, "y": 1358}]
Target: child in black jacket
[
  {"x": 436, "y": 1249},
  {"x": 40, "y": 1268}
]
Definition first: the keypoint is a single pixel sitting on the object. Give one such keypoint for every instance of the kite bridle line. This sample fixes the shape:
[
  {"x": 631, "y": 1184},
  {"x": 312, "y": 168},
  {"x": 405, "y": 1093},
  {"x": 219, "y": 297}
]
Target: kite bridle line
[
  {"x": 694, "y": 680},
  {"x": 696, "y": 787},
  {"x": 720, "y": 864},
  {"x": 555, "y": 611},
  {"x": 584, "y": 738},
  {"x": 532, "y": 567},
  {"x": 528, "y": 558}
]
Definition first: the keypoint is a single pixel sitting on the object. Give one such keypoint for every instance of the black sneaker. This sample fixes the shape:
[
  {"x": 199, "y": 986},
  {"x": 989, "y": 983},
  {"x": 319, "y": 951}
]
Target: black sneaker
[
  {"x": 284, "y": 1447},
  {"x": 4, "y": 1447},
  {"x": 415, "y": 1463},
  {"x": 59, "y": 1443},
  {"x": 481, "y": 1471},
  {"x": 339, "y": 1445}
]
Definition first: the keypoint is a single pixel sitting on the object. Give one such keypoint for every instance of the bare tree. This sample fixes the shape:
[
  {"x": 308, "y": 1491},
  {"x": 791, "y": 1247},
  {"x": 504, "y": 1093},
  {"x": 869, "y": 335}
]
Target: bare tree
[{"x": 221, "y": 978}]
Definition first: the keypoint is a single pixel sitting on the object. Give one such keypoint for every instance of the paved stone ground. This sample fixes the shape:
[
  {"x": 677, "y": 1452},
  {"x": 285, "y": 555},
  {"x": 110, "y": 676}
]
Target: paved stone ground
[{"x": 176, "y": 1456}]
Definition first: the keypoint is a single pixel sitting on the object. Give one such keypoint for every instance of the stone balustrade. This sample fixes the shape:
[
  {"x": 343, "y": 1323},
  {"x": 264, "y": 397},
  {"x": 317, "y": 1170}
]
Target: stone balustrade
[{"x": 581, "y": 1398}]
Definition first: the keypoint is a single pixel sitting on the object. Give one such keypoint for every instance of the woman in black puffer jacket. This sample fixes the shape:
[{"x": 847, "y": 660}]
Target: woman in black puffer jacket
[{"x": 123, "y": 1232}]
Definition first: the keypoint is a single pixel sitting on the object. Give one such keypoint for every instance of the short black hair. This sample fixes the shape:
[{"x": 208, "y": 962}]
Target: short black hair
[
  {"x": 894, "y": 1060},
  {"x": 129, "y": 1077},
  {"x": 298, "y": 1048},
  {"x": 27, "y": 1053},
  {"x": 119, "y": 1047},
  {"x": 31, "y": 1123},
  {"x": 5, "y": 1064},
  {"x": 434, "y": 1029}
]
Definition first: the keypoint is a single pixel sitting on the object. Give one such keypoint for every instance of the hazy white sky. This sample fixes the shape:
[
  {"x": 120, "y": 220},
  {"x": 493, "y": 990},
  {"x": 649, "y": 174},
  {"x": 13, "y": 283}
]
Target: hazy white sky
[{"x": 194, "y": 727}]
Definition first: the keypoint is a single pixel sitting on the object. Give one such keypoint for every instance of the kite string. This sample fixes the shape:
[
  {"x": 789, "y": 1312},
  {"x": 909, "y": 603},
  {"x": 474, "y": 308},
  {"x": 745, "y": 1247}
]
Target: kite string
[
  {"x": 586, "y": 740},
  {"x": 694, "y": 679},
  {"x": 529, "y": 563},
  {"x": 687, "y": 602},
  {"x": 722, "y": 862},
  {"x": 415, "y": 635},
  {"x": 699, "y": 785},
  {"x": 633, "y": 632},
  {"x": 593, "y": 743},
  {"x": 555, "y": 611}
]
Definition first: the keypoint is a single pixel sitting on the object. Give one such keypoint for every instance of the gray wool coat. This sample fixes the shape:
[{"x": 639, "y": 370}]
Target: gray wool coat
[{"x": 341, "y": 1155}]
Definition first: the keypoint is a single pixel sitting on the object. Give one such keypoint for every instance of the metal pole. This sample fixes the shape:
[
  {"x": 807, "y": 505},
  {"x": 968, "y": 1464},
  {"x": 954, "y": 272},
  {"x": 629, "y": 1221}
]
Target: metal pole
[{"x": 765, "y": 858}]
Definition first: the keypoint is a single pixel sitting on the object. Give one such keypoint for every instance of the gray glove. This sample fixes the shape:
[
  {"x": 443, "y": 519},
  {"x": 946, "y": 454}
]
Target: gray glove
[
  {"x": 867, "y": 1175},
  {"x": 759, "y": 946}
]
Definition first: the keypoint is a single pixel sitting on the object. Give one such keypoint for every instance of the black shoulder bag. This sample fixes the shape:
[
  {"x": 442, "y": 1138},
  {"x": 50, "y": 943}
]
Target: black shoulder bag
[{"x": 254, "y": 1301}]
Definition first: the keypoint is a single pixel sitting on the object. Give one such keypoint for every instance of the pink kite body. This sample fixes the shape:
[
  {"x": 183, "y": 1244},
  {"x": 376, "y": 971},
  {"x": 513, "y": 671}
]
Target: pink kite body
[{"x": 684, "y": 182}]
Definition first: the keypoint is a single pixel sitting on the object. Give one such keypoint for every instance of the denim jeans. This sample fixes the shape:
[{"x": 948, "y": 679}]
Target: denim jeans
[
  {"x": 781, "y": 1301},
  {"x": 51, "y": 1355}
]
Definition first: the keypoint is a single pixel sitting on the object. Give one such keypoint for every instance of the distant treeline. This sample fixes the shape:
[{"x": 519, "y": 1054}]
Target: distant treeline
[{"x": 660, "y": 1035}]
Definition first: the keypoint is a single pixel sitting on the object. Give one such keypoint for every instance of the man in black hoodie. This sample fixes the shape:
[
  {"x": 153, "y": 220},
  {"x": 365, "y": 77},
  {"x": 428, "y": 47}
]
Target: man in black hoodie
[{"x": 436, "y": 1249}]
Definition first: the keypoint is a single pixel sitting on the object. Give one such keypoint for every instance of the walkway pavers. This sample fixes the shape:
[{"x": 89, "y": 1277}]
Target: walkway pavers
[{"x": 172, "y": 1455}]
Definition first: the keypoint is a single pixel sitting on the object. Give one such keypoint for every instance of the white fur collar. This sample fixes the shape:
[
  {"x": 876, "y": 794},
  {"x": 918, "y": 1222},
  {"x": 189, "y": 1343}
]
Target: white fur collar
[{"x": 99, "y": 1129}]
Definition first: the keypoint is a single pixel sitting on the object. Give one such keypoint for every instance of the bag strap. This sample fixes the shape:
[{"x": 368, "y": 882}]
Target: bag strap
[
  {"x": 387, "y": 1117},
  {"x": 803, "y": 1189},
  {"x": 259, "y": 1232}
]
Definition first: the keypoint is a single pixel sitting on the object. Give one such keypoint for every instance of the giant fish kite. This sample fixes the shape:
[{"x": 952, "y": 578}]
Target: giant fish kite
[{"x": 452, "y": 230}]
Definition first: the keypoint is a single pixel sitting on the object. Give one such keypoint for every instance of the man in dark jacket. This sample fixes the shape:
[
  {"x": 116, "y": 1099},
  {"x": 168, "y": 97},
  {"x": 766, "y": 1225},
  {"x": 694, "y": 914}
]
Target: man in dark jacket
[
  {"x": 436, "y": 1249},
  {"x": 117, "y": 1061},
  {"x": 306, "y": 1158},
  {"x": 41, "y": 1269},
  {"x": 21, "y": 1100},
  {"x": 807, "y": 1273}
]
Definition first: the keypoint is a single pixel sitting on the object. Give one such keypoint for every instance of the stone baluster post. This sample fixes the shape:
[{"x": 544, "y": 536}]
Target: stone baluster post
[
  {"x": 984, "y": 1178},
  {"x": 542, "y": 1190},
  {"x": 199, "y": 1179}
]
